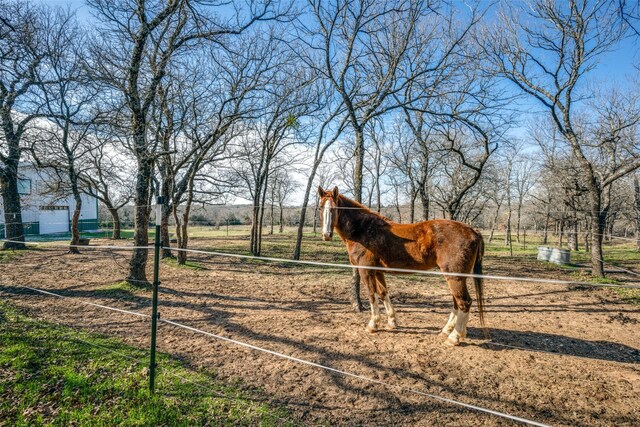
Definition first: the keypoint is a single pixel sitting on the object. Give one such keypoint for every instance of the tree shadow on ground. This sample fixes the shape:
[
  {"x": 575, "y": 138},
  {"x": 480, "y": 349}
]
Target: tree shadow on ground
[{"x": 209, "y": 318}]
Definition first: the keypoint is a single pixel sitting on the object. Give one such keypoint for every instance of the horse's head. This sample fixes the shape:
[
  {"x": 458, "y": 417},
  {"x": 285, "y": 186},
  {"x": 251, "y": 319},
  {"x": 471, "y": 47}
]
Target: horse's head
[{"x": 328, "y": 211}]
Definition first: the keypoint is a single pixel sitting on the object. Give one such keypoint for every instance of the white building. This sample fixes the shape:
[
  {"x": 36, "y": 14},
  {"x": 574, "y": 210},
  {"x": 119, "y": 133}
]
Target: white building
[{"x": 46, "y": 213}]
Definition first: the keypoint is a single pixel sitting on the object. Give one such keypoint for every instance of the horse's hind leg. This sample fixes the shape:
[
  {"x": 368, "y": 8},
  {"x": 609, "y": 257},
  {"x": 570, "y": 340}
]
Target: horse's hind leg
[
  {"x": 384, "y": 296},
  {"x": 451, "y": 323},
  {"x": 458, "y": 286},
  {"x": 369, "y": 279}
]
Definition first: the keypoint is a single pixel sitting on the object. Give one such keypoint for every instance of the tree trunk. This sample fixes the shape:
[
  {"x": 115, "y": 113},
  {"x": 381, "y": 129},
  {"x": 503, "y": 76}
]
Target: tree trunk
[
  {"x": 518, "y": 217},
  {"x": 315, "y": 216},
  {"x": 115, "y": 216},
  {"x": 356, "y": 302},
  {"x": 165, "y": 239},
  {"x": 378, "y": 193},
  {"x": 611, "y": 226},
  {"x": 587, "y": 235},
  {"x": 507, "y": 234},
  {"x": 597, "y": 228},
  {"x": 545, "y": 238},
  {"x": 451, "y": 212},
  {"x": 597, "y": 258},
  {"x": 261, "y": 220},
  {"x": 13, "y": 227},
  {"x": 184, "y": 242},
  {"x": 254, "y": 227},
  {"x": 138, "y": 263},
  {"x": 398, "y": 206},
  {"x": 424, "y": 199},
  {"x": 255, "y": 217},
  {"x": 412, "y": 206},
  {"x": 494, "y": 223},
  {"x": 182, "y": 226},
  {"x": 573, "y": 245},
  {"x": 75, "y": 231},
  {"x": 281, "y": 218},
  {"x": 272, "y": 218},
  {"x": 303, "y": 213}
]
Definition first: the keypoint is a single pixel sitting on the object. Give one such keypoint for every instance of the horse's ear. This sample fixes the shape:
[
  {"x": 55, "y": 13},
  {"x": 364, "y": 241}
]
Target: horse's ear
[
  {"x": 320, "y": 191},
  {"x": 335, "y": 192}
]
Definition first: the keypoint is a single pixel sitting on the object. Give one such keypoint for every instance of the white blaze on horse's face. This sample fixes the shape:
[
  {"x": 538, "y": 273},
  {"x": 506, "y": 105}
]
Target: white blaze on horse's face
[{"x": 327, "y": 220}]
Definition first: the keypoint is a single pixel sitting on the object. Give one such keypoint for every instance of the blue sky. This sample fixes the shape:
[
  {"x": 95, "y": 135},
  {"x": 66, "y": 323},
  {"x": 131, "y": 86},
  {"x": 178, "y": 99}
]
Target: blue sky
[{"x": 616, "y": 66}]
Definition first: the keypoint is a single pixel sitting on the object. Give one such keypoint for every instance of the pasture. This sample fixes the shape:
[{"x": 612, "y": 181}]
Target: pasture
[
  {"x": 72, "y": 377},
  {"x": 559, "y": 355}
]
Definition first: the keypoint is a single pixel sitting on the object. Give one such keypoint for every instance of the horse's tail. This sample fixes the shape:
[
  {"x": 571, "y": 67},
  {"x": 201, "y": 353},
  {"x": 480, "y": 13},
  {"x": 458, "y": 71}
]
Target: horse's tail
[{"x": 477, "y": 281}]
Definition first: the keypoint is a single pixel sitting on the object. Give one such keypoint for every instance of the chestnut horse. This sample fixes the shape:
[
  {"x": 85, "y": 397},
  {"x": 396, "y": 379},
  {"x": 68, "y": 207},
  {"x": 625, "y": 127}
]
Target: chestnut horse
[{"x": 374, "y": 241}]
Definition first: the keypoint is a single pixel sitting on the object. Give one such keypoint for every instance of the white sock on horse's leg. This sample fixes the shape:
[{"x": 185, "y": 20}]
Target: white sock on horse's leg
[
  {"x": 460, "y": 330},
  {"x": 375, "y": 315},
  {"x": 451, "y": 323},
  {"x": 391, "y": 313}
]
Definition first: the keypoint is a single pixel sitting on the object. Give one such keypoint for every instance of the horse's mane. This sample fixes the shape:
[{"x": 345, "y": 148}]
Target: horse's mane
[{"x": 348, "y": 203}]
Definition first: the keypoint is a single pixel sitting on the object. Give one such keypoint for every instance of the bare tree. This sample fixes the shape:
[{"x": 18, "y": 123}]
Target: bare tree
[
  {"x": 546, "y": 49},
  {"x": 441, "y": 68},
  {"x": 629, "y": 11},
  {"x": 495, "y": 193},
  {"x": 412, "y": 162},
  {"x": 216, "y": 108},
  {"x": 362, "y": 43},
  {"x": 524, "y": 178},
  {"x": 281, "y": 185},
  {"x": 24, "y": 64},
  {"x": 464, "y": 152},
  {"x": 106, "y": 177},
  {"x": 378, "y": 163},
  {"x": 288, "y": 98},
  {"x": 327, "y": 133},
  {"x": 152, "y": 33},
  {"x": 63, "y": 142}
]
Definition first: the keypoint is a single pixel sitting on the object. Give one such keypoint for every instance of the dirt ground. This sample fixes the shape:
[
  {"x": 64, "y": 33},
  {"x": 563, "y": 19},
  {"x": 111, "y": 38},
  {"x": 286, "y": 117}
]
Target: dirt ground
[{"x": 557, "y": 355}]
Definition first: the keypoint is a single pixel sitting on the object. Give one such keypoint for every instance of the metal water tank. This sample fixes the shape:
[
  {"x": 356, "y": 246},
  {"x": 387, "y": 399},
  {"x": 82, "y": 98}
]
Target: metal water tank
[
  {"x": 560, "y": 256},
  {"x": 544, "y": 253}
]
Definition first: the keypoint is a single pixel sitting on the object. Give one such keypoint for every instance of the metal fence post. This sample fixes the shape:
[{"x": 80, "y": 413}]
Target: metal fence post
[{"x": 154, "y": 311}]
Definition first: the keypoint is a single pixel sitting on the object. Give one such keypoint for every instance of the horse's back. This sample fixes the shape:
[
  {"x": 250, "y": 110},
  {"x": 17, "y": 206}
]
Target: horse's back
[{"x": 450, "y": 245}]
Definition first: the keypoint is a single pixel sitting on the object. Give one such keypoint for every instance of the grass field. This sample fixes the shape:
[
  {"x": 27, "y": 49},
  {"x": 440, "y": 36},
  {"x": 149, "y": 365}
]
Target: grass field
[
  {"x": 621, "y": 253},
  {"x": 54, "y": 375}
]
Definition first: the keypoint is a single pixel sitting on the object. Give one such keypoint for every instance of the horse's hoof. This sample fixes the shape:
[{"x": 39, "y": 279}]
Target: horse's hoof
[
  {"x": 392, "y": 325},
  {"x": 371, "y": 330},
  {"x": 444, "y": 334},
  {"x": 454, "y": 338},
  {"x": 452, "y": 343}
]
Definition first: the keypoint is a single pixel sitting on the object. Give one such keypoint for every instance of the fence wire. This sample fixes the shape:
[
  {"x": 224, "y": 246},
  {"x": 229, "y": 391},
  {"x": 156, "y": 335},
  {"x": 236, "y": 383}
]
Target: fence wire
[
  {"x": 405, "y": 270},
  {"x": 307, "y": 362}
]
